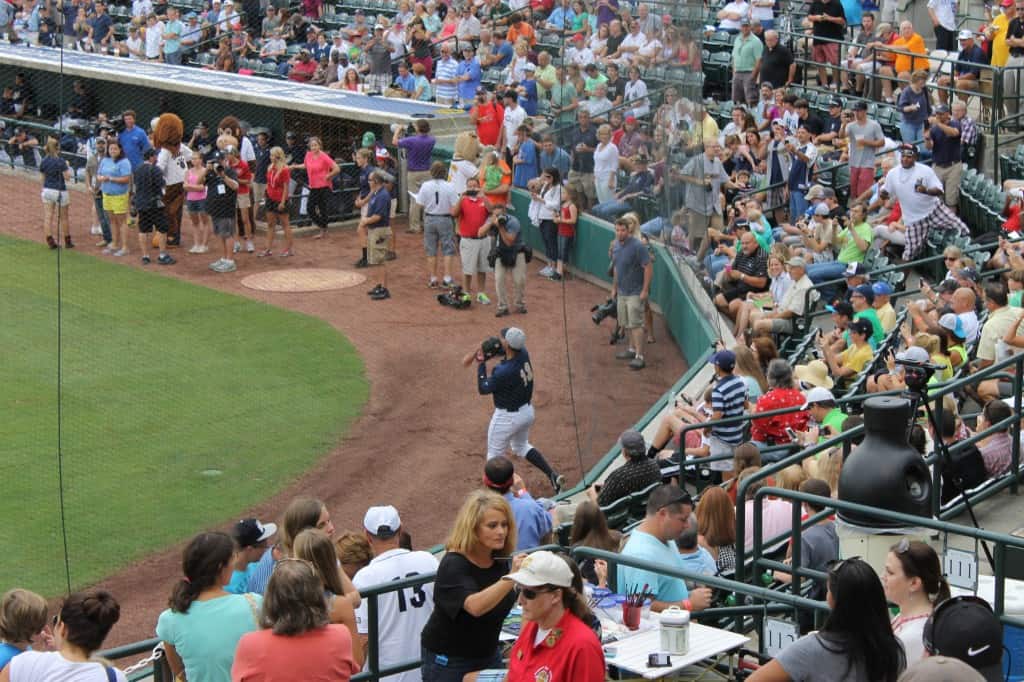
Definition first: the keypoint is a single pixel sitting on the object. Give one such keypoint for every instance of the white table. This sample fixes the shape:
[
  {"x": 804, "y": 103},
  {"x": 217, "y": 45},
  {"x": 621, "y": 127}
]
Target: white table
[{"x": 705, "y": 642}]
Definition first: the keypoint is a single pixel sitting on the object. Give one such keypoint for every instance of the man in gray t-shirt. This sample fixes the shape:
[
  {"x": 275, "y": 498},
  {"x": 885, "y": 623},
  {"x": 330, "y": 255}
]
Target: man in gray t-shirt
[
  {"x": 865, "y": 138},
  {"x": 631, "y": 285},
  {"x": 704, "y": 176},
  {"x": 378, "y": 56}
]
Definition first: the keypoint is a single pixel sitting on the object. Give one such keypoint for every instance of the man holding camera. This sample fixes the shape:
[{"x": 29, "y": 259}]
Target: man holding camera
[
  {"x": 509, "y": 260},
  {"x": 631, "y": 286},
  {"x": 221, "y": 204},
  {"x": 511, "y": 385}
]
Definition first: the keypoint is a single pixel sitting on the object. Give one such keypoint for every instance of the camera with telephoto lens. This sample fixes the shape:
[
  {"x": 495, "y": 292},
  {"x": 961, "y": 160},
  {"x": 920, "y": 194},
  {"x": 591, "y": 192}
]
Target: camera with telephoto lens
[
  {"x": 603, "y": 310},
  {"x": 916, "y": 375},
  {"x": 491, "y": 347}
]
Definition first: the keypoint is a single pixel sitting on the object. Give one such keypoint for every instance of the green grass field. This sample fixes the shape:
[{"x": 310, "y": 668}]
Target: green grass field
[{"x": 180, "y": 406}]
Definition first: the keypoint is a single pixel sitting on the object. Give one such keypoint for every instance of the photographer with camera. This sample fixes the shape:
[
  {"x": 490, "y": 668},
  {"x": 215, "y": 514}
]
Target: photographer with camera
[
  {"x": 509, "y": 259},
  {"x": 511, "y": 385},
  {"x": 221, "y": 204}
]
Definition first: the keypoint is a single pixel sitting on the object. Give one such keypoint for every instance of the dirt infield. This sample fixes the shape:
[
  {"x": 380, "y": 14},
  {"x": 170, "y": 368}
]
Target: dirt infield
[{"x": 420, "y": 443}]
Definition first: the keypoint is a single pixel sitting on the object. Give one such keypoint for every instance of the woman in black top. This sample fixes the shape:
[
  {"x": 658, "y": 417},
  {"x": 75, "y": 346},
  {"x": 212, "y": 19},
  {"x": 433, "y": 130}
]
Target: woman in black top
[{"x": 470, "y": 598}]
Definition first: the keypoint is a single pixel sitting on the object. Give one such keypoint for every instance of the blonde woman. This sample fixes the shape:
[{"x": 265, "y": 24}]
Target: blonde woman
[
  {"x": 276, "y": 203},
  {"x": 606, "y": 164},
  {"x": 315, "y": 546},
  {"x": 470, "y": 598},
  {"x": 56, "y": 173}
]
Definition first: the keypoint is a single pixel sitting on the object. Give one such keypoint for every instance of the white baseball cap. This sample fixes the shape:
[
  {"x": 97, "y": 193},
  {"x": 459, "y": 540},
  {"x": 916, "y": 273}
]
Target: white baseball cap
[
  {"x": 383, "y": 522},
  {"x": 542, "y": 568},
  {"x": 819, "y": 395}
]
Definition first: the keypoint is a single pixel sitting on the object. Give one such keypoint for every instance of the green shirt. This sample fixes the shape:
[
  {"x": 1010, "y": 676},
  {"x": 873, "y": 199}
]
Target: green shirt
[
  {"x": 746, "y": 52},
  {"x": 850, "y": 253},
  {"x": 591, "y": 83},
  {"x": 562, "y": 94},
  {"x": 545, "y": 73},
  {"x": 1015, "y": 298},
  {"x": 834, "y": 420}
]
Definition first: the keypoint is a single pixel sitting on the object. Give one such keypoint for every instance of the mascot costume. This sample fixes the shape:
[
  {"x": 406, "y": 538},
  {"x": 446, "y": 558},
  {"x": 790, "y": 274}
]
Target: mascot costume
[{"x": 173, "y": 160}]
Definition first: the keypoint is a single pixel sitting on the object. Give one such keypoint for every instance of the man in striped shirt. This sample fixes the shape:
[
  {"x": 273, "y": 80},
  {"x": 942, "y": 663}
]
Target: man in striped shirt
[
  {"x": 728, "y": 398},
  {"x": 446, "y": 77}
]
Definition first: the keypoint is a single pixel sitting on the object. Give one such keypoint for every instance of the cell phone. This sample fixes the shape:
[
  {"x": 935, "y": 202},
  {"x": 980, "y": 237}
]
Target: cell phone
[
  {"x": 792, "y": 435},
  {"x": 659, "y": 660}
]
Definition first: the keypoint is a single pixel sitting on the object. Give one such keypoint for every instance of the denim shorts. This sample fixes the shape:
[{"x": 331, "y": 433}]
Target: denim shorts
[
  {"x": 440, "y": 668},
  {"x": 564, "y": 248},
  {"x": 196, "y": 205}
]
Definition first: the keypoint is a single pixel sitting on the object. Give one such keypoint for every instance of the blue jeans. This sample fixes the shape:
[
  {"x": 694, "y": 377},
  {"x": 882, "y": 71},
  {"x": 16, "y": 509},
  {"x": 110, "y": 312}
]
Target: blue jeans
[
  {"x": 439, "y": 668},
  {"x": 175, "y": 57},
  {"x": 610, "y": 210},
  {"x": 797, "y": 204},
  {"x": 823, "y": 272},
  {"x": 564, "y": 248},
  {"x": 104, "y": 222},
  {"x": 658, "y": 227},
  {"x": 912, "y": 132}
]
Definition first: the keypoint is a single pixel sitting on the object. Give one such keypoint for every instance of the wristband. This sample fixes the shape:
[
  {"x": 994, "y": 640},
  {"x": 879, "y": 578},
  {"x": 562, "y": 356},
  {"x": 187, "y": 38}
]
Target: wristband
[{"x": 687, "y": 605}]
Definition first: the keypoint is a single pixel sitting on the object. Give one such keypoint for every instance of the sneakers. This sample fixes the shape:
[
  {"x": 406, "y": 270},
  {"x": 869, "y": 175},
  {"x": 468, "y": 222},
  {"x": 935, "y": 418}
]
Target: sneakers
[
  {"x": 264, "y": 253},
  {"x": 237, "y": 248},
  {"x": 215, "y": 264},
  {"x": 637, "y": 362},
  {"x": 362, "y": 263},
  {"x": 146, "y": 260},
  {"x": 102, "y": 243},
  {"x": 121, "y": 252},
  {"x": 625, "y": 355},
  {"x": 67, "y": 243},
  {"x": 521, "y": 309},
  {"x": 194, "y": 248},
  {"x": 557, "y": 481},
  {"x": 202, "y": 248},
  {"x": 165, "y": 259},
  {"x": 546, "y": 271},
  {"x": 391, "y": 255},
  {"x": 51, "y": 242},
  {"x": 95, "y": 229},
  {"x": 380, "y": 294},
  {"x": 555, "y": 277},
  {"x": 224, "y": 266},
  {"x": 448, "y": 281},
  {"x": 287, "y": 253},
  {"x": 483, "y": 299},
  {"x": 107, "y": 251},
  {"x": 249, "y": 246},
  {"x": 501, "y": 312}
]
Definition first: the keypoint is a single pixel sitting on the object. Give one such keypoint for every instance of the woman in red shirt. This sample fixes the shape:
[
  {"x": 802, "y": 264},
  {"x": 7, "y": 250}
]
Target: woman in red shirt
[
  {"x": 556, "y": 641},
  {"x": 276, "y": 203},
  {"x": 320, "y": 168},
  {"x": 782, "y": 393}
]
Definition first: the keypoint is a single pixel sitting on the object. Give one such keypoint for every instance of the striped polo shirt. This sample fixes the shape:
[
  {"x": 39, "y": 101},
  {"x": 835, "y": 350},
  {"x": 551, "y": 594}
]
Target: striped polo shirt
[{"x": 729, "y": 397}]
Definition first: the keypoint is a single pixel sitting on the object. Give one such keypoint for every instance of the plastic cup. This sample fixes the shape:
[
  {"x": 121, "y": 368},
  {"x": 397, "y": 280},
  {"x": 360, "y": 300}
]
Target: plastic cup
[{"x": 631, "y": 616}]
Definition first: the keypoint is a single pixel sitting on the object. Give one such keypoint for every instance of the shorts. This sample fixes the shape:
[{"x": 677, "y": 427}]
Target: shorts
[
  {"x": 438, "y": 230},
  {"x": 631, "y": 311},
  {"x": 195, "y": 205},
  {"x": 827, "y": 53},
  {"x": 717, "y": 447},
  {"x": 56, "y": 196},
  {"x": 150, "y": 218},
  {"x": 244, "y": 201},
  {"x": 377, "y": 239},
  {"x": 271, "y": 206},
  {"x": 782, "y": 326},
  {"x": 224, "y": 227},
  {"x": 115, "y": 203},
  {"x": 1005, "y": 388},
  {"x": 697, "y": 224},
  {"x": 565, "y": 248},
  {"x": 473, "y": 253}
]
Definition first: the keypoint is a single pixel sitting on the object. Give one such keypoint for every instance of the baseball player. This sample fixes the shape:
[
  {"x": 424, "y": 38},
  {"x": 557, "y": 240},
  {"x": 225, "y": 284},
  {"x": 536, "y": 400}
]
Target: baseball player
[{"x": 511, "y": 384}]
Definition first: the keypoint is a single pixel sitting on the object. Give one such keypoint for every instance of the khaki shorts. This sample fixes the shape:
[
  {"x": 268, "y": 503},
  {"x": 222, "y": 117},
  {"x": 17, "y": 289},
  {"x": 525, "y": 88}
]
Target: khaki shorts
[
  {"x": 377, "y": 240},
  {"x": 583, "y": 185},
  {"x": 950, "y": 176},
  {"x": 473, "y": 254},
  {"x": 631, "y": 311},
  {"x": 697, "y": 224},
  {"x": 244, "y": 201},
  {"x": 782, "y": 326}
]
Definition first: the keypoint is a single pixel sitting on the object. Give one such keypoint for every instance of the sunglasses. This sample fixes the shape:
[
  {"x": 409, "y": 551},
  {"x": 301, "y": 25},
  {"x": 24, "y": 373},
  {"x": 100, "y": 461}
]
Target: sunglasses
[
  {"x": 834, "y": 567},
  {"x": 903, "y": 546},
  {"x": 530, "y": 593}
]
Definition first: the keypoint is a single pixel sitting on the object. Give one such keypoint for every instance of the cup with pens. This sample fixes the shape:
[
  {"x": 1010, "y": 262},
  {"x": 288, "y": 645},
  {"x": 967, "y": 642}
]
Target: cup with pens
[{"x": 633, "y": 606}]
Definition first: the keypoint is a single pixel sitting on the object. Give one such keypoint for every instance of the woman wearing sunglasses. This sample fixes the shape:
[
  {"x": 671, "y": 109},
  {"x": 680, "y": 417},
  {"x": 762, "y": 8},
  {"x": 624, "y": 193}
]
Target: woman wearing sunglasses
[
  {"x": 470, "y": 598},
  {"x": 297, "y": 642},
  {"x": 913, "y": 581},
  {"x": 856, "y": 643},
  {"x": 78, "y": 631},
  {"x": 202, "y": 627}
]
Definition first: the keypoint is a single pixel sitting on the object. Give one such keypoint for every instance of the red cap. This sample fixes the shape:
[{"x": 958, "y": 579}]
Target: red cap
[
  {"x": 666, "y": 19},
  {"x": 579, "y": 36},
  {"x": 1006, "y": 3},
  {"x": 631, "y": 119}
]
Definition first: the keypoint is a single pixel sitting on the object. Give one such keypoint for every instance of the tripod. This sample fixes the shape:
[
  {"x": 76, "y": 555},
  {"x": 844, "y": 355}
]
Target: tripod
[{"x": 919, "y": 395}]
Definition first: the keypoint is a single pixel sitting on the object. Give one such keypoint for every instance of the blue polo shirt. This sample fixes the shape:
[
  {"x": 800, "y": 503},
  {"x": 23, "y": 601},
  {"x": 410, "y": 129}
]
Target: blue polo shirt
[
  {"x": 532, "y": 522},
  {"x": 380, "y": 205},
  {"x": 505, "y": 53},
  {"x": 649, "y": 548},
  {"x": 133, "y": 143},
  {"x": 467, "y": 89}
]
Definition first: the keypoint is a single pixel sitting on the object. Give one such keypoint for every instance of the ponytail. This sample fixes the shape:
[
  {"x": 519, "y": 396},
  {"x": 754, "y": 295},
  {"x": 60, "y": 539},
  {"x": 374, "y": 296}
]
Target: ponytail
[
  {"x": 182, "y": 596},
  {"x": 943, "y": 593},
  {"x": 201, "y": 563}
]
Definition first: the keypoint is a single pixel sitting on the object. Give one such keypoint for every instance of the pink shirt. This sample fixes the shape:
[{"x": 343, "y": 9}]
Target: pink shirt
[
  {"x": 321, "y": 655},
  {"x": 317, "y": 168}
]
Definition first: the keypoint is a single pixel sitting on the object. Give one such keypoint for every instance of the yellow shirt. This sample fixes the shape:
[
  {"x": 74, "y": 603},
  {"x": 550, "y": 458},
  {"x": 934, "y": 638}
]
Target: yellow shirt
[
  {"x": 1000, "y": 50},
  {"x": 887, "y": 316},
  {"x": 857, "y": 357}
]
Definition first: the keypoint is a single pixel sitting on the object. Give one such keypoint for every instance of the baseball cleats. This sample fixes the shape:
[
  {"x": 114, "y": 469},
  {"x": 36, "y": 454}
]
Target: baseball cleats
[
  {"x": 380, "y": 294},
  {"x": 557, "y": 481},
  {"x": 625, "y": 355}
]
